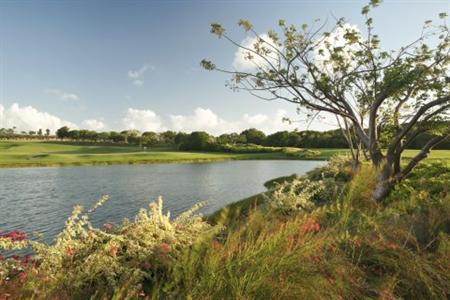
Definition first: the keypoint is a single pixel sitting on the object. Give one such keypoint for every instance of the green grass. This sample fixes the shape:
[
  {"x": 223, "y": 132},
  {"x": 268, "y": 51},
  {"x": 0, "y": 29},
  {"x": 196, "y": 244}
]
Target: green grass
[
  {"x": 262, "y": 247},
  {"x": 28, "y": 154}
]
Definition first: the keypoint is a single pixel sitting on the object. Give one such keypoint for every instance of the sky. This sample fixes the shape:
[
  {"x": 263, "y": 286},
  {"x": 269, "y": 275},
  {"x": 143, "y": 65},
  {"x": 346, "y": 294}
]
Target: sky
[{"x": 116, "y": 65}]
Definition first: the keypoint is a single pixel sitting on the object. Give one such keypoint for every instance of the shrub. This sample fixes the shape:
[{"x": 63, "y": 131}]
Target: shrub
[
  {"x": 128, "y": 259},
  {"x": 280, "y": 245},
  {"x": 294, "y": 196}
]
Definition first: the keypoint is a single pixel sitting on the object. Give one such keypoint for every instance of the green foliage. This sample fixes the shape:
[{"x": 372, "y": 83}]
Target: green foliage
[
  {"x": 197, "y": 140},
  {"x": 133, "y": 255},
  {"x": 254, "y": 136},
  {"x": 296, "y": 195},
  {"x": 348, "y": 248}
]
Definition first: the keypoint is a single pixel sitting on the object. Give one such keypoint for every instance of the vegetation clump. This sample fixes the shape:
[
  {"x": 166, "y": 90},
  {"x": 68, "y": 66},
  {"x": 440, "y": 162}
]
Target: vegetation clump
[{"x": 298, "y": 240}]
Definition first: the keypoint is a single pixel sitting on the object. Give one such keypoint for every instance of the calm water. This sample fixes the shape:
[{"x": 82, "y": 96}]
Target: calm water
[{"x": 41, "y": 199}]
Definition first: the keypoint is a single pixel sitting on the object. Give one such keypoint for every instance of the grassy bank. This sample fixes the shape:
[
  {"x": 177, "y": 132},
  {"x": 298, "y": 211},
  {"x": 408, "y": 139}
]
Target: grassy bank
[
  {"x": 28, "y": 154},
  {"x": 321, "y": 236},
  {"x": 31, "y": 154}
]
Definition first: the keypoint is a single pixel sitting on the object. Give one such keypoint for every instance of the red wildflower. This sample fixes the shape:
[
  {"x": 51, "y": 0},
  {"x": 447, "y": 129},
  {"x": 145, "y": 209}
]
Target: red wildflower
[
  {"x": 147, "y": 265},
  {"x": 25, "y": 260},
  {"x": 215, "y": 245},
  {"x": 22, "y": 277},
  {"x": 165, "y": 248},
  {"x": 113, "y": 250},
  {"x": 70, "y": 251},
  {"x": 14, "y": 235},
  {"x": 392, "y": 246},
  {"x": 310, "y": 225},
  {"x": 108, "y": 227}
]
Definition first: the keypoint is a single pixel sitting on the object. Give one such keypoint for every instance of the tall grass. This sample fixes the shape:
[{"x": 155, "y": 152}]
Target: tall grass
[{"x": 338, "y": 244}]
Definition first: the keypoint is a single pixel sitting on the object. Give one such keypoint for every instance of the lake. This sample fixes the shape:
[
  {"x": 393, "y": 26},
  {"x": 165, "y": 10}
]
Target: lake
[{"x": 41, "y": 199}]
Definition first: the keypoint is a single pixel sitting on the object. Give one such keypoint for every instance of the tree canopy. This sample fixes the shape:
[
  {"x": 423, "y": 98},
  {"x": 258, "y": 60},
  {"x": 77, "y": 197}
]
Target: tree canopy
[{"x": 381, "y": 97}]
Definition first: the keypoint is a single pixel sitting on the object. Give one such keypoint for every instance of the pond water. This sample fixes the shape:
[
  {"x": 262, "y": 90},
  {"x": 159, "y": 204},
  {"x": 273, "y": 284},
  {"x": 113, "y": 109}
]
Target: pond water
[{"x": 41, "y": 199}]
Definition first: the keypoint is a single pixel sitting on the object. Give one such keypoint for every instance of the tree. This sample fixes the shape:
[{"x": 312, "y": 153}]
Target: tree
[
  {"x": 150, "y": 138},
  {"x": 198, "y": 140},
  {"x": 74, "y": 134},
  {"x": 254, "y": 136},
  {"x": 39, "y": 132},
  {"x": 278, "y": 139},
  {"x": 168, "y": 137},
  {"x": 378, "y": 94},
  {"x": 47, "y": 132},
  {"x": 116, "y": 137},
  {"x": 62, "y": 132},
  {"x": 103, "y": 136}
]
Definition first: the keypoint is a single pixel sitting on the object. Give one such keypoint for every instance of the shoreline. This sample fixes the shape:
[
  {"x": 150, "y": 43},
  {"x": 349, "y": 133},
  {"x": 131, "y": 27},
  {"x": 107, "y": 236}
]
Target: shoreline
[{"x": 148, "y": 162}]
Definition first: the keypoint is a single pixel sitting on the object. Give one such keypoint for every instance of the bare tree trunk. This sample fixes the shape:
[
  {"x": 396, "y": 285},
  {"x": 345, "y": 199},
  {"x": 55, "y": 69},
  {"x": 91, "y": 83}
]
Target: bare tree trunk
[
  {"x": 391, "y": 172},
  {"x": 385, "y": 181}
]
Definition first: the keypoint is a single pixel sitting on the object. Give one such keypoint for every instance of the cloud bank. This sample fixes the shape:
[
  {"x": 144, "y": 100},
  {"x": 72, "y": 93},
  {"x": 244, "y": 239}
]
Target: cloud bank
[
  {"x": 143, "y": 120},
  {"x": 28, "y": 118},
  {"x": 62, "y": 95},
  {"x": 93, "y": 124}
]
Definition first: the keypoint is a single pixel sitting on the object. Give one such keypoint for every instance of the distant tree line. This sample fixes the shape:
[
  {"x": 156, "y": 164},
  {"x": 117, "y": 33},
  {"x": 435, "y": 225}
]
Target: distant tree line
[
  {"x": 10, "y": 133},
  {"x": 200, "y": 140}
]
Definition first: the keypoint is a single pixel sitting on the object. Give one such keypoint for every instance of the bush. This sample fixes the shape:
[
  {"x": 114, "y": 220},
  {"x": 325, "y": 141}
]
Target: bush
[
  {"x": 286, "y": 244},
  {"x": 131, "y": 259}
]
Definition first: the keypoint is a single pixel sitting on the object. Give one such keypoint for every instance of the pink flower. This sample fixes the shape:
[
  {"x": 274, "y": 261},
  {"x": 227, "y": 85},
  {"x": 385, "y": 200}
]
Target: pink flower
[
  {"x": 14, "y": 235},
  {"x": 22, "y": 277},
  {"x": 147, "y": 265},
  {"x": 113, "y": 250},
  {"x": 70, "y": 251},
  {"x": 165, "y": 248},
  {"x": 108, "y": 227},
  {"x": 393, "y": 246},
  {"x": 310, "y": 226}
]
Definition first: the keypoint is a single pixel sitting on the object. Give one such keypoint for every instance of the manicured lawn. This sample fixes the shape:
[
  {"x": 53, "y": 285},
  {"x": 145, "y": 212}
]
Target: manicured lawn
[{"x": 21, "y": 154}]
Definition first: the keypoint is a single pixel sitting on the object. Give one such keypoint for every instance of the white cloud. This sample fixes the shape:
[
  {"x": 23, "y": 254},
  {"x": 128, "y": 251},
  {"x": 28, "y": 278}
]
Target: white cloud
[
  {"x": 138, "y": 82},
  {"x": 63, "y": 95},
  {"x": 206, "y": 120},
  {"x": 93, "y": 124},
  {"x": 337, "y": 39},
  {"x": 143, "y": 120},
  {"x": 201, "y": 120},
  {"x": 136, "y": 75},
  {"x": 28, "y": 118},
  {"x": 245, "y": 60}
]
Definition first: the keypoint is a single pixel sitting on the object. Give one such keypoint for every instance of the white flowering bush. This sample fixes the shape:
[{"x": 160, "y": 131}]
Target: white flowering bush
[
  {"x": 121, "y": 260},
  {"x": 296, "y": 195},
  {"x": 339, "y": 168}
]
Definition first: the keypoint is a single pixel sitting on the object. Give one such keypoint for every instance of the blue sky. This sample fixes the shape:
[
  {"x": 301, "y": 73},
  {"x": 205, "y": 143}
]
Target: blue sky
[{"x": 108, "y": 65}]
